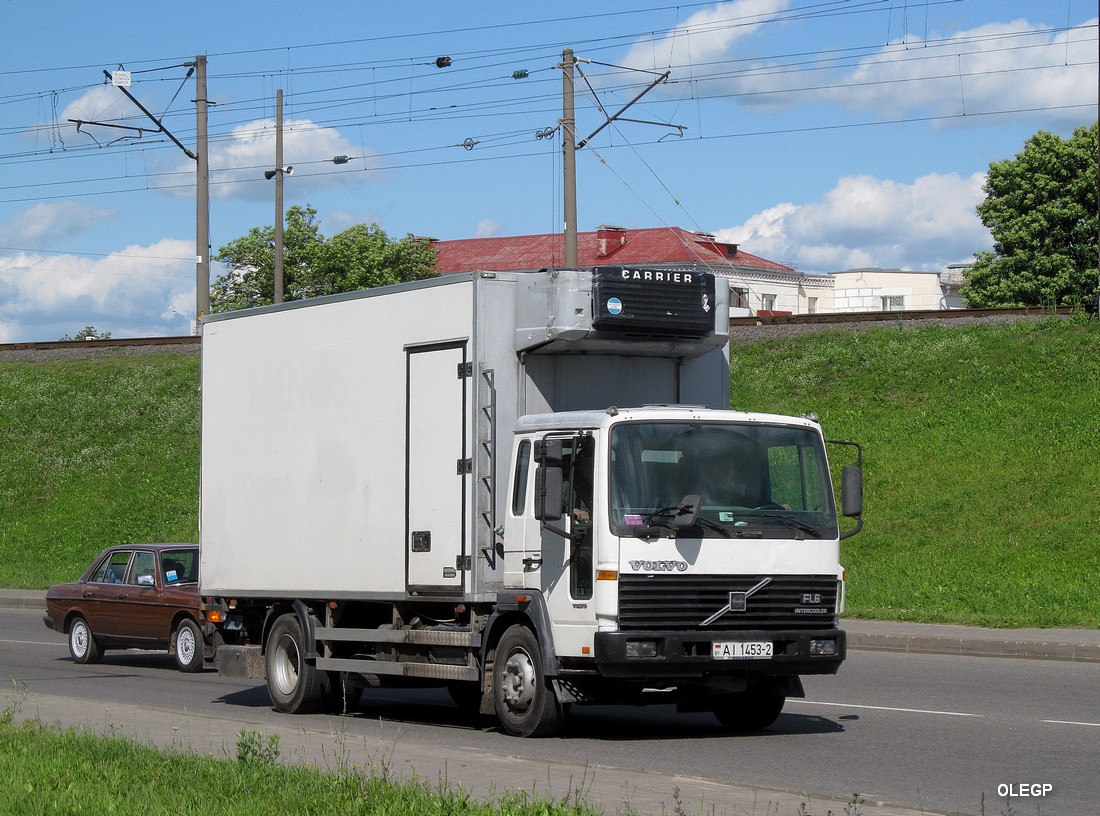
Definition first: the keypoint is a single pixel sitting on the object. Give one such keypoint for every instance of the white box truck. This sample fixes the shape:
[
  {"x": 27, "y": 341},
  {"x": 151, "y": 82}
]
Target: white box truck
[{"x": 527, "y": 487}]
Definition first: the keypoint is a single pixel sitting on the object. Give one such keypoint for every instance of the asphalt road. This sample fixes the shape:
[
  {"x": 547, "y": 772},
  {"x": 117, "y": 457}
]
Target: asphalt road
[{"x": 918, "y": 733}]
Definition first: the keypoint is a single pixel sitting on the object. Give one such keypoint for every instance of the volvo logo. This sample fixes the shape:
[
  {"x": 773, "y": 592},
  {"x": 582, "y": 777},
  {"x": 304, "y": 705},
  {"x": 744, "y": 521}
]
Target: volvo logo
[
  {"x": 659, "y": 566},
  {"x": 738, "y": 602}
]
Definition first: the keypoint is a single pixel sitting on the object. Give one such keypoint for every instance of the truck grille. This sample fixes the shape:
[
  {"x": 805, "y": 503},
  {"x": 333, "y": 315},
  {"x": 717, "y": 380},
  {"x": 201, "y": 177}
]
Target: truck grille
[{"x": 683, "y": 602}]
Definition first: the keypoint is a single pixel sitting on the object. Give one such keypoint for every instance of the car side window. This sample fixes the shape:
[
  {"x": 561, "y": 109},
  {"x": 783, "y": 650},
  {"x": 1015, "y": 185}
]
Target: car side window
[
  {"x": 113, "y": 570},
  {"x": 180, "y": 566},
  {"x": 143, "y": 569}
]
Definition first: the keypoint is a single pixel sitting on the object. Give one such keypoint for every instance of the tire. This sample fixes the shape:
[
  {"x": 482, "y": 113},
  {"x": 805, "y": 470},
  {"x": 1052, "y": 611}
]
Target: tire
[
  {"x": 82, "y": 643},
  {"x": 525, "y": 703},
  {"x": 295, "y": 686},
  {"x": 340, "y": 695},
  {"x": 752, "y": 710},
  {"x": 189, "y": 646}
]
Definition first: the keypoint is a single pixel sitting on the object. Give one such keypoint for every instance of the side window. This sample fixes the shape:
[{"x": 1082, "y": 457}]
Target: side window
[
  {"x": 113, "y": 570},
  {"x": 180, "y": 566},
  {"x": 519, "y": 488},
  {"x": 143, "y": 569}
]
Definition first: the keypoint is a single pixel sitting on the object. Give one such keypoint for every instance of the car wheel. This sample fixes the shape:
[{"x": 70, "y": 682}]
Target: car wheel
[
  {"x": 189, "y": 645},
  {"x": 752, "y": 710},
  {"x": 295, "y": 686},
  {"x": 82, "y": 643},
  {"x": 525, "y": 703}
]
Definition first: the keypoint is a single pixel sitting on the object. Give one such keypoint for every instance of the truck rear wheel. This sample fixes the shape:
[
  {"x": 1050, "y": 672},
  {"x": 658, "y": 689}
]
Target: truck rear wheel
[
  {"x": 295, "y": 686},
  {"x": 525, "y": 702},
  {"x": 752, "y": 710}
]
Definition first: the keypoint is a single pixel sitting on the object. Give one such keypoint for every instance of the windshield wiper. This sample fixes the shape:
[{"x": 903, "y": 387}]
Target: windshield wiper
[{"x": 788, "y": 521}]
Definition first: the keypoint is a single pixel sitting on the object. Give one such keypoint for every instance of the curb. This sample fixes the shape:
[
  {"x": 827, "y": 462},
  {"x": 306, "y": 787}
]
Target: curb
[{"x": 975, "y": 646}]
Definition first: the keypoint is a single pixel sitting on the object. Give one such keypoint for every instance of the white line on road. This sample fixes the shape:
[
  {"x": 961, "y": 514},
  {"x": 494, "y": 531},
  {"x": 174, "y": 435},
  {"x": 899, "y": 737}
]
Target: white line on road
[
  {"x": 887, "y": 708},
  {"x": 35, "y": 642},
  {"x": 1070, "y": 722}
]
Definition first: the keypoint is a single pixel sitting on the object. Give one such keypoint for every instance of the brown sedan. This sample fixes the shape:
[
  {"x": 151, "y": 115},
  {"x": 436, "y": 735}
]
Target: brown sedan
[{"x": 143, "y": 596}]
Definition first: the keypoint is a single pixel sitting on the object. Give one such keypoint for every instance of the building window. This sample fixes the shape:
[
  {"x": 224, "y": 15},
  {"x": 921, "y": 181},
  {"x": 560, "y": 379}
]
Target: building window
[
  {"x": 739, "y": 297},
  {"x": 767, "y": 303},
  {"x": 893, "y": 303},
  {"x": 811, "y": 305}
]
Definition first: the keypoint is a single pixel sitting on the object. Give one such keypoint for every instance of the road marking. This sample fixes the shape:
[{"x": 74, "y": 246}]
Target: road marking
[
  {"x": 887, "y": 708},
  {"x": 1070, "y": 722},
  {"x": 36, "y": 642}
]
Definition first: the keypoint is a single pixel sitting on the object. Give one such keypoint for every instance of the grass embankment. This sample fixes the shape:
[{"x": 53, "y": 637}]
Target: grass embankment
[
  {"x": 982, "y": 462},
  {"x": 93, "y": 453},
  {"x": 72, "y": 771}
]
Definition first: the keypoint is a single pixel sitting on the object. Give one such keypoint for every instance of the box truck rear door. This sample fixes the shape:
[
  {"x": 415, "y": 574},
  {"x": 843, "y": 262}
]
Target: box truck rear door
[{"x": 437, "y": 456}]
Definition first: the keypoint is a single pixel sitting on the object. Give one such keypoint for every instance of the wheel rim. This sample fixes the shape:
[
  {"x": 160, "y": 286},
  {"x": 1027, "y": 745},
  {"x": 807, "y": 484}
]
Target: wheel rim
[
  {"x": 284, "y": 666},
  {"x": 78, "y": 638},
  {"x": 185, "y": 645},
  {"x": 517, "y": 682}
]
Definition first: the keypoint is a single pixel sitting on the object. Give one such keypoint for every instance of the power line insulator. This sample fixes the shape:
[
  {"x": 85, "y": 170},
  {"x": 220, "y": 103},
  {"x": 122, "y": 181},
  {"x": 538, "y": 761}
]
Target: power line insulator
[
  {"x": 443, "y": 62},
  {"x": 522, "y": 73}
]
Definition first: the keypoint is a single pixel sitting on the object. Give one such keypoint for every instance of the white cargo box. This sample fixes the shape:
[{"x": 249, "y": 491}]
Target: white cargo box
[{"x": 357, "y": 446}]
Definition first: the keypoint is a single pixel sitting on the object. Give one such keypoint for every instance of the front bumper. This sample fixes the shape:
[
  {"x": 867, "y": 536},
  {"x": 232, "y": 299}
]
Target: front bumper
[{"x": 688, "y": 654}]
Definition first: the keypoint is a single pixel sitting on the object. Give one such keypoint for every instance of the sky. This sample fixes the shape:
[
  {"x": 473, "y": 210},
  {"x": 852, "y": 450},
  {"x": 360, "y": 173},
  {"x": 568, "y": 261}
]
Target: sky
[{"x": 823, "y": 134}]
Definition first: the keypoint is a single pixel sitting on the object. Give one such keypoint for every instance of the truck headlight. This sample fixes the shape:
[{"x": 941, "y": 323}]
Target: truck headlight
[{"x": 641, "y": 648}]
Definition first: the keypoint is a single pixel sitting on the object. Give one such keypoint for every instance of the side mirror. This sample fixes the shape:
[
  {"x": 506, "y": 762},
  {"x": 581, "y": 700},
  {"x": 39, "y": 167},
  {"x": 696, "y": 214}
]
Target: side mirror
[
  {"x": 549, "y": 479},
  {"x": 687, "y": 514},
  {"x": 851, "y": 491}
]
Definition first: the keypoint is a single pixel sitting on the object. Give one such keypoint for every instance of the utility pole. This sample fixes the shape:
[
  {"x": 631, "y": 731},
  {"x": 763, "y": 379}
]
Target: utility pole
[
  {"x": 278, "y": 296},
  {"x": 202, "y": 198},
  {"x": 569, "y": 157}
]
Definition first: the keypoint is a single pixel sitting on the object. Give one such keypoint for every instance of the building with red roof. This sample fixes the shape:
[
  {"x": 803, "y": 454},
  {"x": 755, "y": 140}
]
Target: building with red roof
[{"x": 756, "y": 284}]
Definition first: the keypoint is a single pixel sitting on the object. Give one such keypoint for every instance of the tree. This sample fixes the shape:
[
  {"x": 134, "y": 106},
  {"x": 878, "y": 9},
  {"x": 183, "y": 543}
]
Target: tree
[
  {"x": 1041, "y": 208},
  {"x": 88, "y": 333},
  {"x": 361, "y": 257}
]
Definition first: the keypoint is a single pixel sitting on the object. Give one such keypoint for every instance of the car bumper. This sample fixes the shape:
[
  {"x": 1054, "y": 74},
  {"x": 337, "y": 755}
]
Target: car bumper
[
  {"x": 689, "y": 654},
  {"x": 50, "y": 622}
]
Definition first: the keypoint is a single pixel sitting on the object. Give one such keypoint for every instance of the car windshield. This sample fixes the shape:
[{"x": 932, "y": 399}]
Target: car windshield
[{"x": 753, "y": 480}]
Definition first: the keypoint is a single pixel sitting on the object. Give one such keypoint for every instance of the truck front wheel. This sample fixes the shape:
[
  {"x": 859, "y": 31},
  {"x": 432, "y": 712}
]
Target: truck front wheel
[
  {"x": 525, "y": 702},
  {"x": 294, "y": 685}
]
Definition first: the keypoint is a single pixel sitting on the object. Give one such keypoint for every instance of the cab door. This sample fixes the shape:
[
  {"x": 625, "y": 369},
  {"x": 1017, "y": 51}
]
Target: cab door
[{"x": 562, "y": 550}]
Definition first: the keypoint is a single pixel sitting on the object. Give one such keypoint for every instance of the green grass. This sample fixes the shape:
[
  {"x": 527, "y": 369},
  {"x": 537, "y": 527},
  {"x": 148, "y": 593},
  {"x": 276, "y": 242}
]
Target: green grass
[
  {"x": 73, "y": 771},
  {"x": 982, "y": 462},
  {"x": 981, "y": 468},
  {"x": 94, "y": 453}
]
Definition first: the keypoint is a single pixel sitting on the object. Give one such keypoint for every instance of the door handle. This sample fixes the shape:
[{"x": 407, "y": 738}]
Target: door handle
[{"x": 532, "y": 563}]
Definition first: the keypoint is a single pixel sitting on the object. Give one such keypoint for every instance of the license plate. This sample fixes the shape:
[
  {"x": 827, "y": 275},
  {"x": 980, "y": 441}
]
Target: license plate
[{"x": 741, "y": 649}]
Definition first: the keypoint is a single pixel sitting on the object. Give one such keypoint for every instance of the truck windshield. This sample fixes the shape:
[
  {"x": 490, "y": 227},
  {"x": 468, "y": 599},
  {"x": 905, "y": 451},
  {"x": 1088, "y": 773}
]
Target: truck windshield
[{"x": 754, "y": 481}]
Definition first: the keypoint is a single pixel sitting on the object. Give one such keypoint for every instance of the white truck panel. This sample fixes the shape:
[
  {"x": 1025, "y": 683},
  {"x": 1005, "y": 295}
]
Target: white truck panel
[{"x": 303, "y": 442}]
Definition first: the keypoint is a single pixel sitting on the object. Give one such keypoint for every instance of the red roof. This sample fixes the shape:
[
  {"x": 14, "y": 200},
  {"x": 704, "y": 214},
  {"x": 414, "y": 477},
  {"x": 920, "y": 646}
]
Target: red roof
[{"x": 613, "y": 246}]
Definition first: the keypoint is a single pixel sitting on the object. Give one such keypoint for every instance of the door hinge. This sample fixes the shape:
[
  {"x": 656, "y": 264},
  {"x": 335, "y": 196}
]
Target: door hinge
[
  {"x": 465, "y": 370},
  {"x": 465, "y": 467}
]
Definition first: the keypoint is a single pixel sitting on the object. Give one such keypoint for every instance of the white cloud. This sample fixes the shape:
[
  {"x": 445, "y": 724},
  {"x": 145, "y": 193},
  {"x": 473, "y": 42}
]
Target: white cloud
[
  {"x": 239, "y": 161},
  {"x": 706, "y": 35},
  {"x": 995, "y": 67},
  {"x": 488, "y": 228},
  {"x": 46, "y": 223},
  {"x": 865, "y": 221},
  {"x": 135, "y": 292}
]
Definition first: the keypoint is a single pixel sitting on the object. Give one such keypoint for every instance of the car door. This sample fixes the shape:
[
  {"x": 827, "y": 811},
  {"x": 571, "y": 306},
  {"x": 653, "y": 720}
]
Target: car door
[
  {"x": 104, "y": 595},
  {"x": 145, "y": 616}
]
